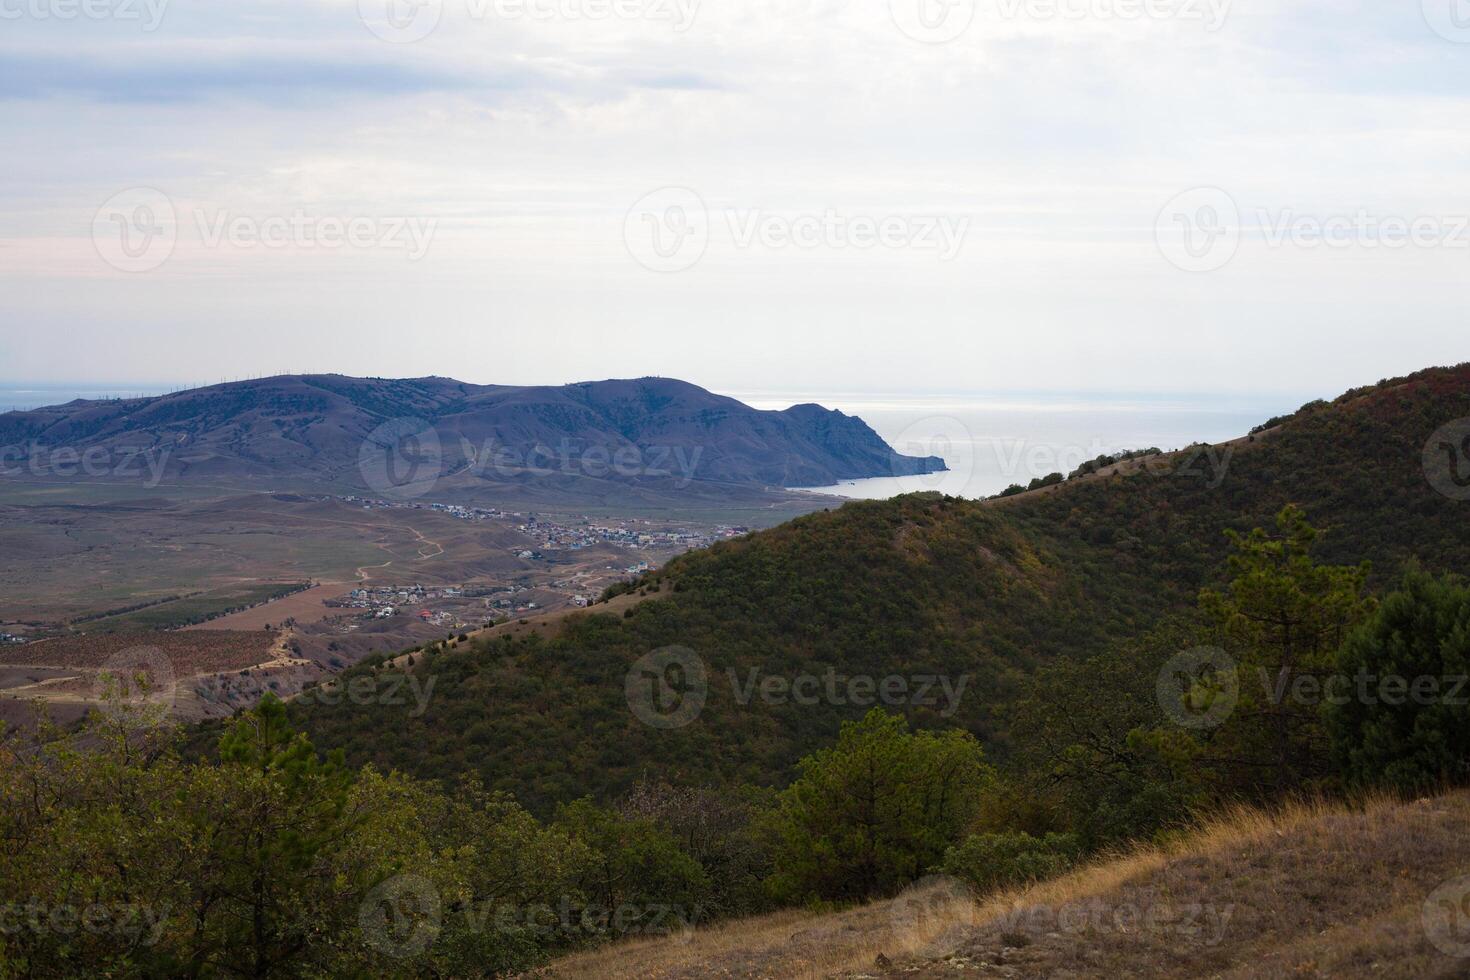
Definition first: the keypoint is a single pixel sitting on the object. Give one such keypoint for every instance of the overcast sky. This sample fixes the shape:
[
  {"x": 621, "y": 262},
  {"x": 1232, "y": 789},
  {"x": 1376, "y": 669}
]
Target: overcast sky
[{"x": 1119, "y": 195}]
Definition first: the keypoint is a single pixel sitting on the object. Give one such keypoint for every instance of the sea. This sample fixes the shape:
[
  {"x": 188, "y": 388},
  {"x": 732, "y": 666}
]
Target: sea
[
  {"x": 16, "y": 397},
  {"x": 991, "y": 441}
]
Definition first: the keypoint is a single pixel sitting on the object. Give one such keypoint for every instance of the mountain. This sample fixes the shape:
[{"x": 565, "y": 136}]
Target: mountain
[
  {"x": 918, "y": 586},
  {"x": 406, "y": 436}
]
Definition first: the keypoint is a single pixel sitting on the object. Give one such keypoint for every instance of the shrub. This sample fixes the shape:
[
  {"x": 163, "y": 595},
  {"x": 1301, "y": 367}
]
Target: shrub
[
  {"x": 1418, "y": 640},
  {"x": 988, "y": 862}
]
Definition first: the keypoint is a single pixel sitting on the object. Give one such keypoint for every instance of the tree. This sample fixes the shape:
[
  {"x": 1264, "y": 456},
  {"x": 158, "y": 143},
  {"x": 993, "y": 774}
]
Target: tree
[
  {"x": 636, "y": 873},
  {"x": 265, "y": 818},
  {"x": 1282, "y": 618},
  {"x": 876, "y": 811},
  {"x": 1096, "y": 754},
  {"x": 1400, "y": 717}
]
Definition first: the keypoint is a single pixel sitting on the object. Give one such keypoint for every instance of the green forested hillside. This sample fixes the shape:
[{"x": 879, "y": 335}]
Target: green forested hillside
[{"x": 920, "y": 585}]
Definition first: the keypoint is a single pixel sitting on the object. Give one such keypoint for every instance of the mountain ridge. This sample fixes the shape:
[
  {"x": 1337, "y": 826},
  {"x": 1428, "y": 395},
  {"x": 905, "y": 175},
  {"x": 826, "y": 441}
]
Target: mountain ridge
[{"x": 320, "y": 427}]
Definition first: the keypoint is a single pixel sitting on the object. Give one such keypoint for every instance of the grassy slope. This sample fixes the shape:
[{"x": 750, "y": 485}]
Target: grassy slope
[
  {"x": 909, "y": 586},
  {"x": 1312, "y": 891}
]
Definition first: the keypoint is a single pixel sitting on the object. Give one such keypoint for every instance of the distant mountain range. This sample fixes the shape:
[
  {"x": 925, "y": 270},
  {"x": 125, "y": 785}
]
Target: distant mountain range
[{"x": 406, "y": 437}]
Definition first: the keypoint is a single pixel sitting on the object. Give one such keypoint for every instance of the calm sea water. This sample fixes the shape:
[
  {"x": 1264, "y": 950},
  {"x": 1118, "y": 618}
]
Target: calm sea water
[
  {"x": 991, "y": 442},
  {"x": 18, "y": 397}
]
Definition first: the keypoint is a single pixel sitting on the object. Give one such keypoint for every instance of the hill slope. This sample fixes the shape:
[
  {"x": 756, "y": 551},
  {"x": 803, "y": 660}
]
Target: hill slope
[
  {"x": 978, "y": 593},
  {"x": 331, "y": 429},
  {"x": 1308, "y": 892}
]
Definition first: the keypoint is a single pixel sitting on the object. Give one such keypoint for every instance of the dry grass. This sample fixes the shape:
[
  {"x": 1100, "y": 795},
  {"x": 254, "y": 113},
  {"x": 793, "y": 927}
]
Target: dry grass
[{"x": 1311, "y": 890}]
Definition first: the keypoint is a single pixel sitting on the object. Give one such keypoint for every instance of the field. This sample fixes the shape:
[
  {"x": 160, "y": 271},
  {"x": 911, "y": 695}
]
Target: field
[
  {"x": 59, "y": 562},
  {"x": 189, "y": 653},
  {"x": 68, "y": 675},
  {"x": 88, "y": 576},
  {"x": 194, "y": 610}
]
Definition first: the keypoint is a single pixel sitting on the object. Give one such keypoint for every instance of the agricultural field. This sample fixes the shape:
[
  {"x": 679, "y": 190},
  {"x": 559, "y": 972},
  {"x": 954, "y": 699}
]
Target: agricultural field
[
  {"x": 67, "y": 676},
  {"x": 192, "y": 610},
  {"x": 188, "y": 653}
]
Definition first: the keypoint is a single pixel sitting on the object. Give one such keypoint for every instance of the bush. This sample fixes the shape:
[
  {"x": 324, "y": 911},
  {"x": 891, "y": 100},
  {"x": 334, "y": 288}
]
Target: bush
[
  {"x": 876, "y": 811},
  {"x": 1408, "y": 740},
  {"x": 989, "y": 862}
]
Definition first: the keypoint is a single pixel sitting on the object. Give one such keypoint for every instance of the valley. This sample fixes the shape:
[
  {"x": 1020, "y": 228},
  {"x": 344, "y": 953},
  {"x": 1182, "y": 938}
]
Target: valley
[{"x": 329, "y": 579}]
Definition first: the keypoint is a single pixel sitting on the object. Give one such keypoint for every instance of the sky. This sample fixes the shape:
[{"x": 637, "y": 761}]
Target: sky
[{"x": 1148, "y": 196}]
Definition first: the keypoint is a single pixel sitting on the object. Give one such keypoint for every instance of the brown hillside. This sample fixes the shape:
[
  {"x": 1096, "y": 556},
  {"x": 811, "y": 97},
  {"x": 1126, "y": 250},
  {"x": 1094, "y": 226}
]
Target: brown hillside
[{"x": 1313, "y": 891}]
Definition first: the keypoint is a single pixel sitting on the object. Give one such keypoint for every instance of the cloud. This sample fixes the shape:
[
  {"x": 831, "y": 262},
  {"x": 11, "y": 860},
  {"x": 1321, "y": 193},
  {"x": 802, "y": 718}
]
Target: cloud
[{"x": 284, "y": 75}]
